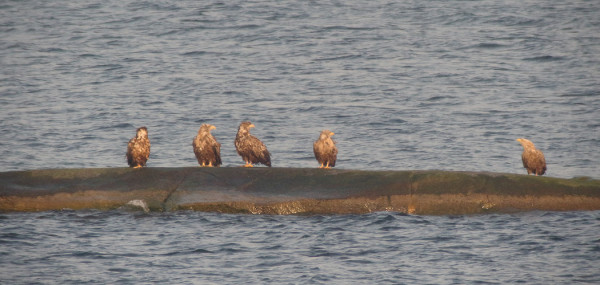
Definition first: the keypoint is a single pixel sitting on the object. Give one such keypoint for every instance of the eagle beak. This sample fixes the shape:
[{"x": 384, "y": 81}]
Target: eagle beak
[
  {"x": 213, "y": 127},
  {"x": 332, "y": 133},
  {"x": 251, "y": 126}
]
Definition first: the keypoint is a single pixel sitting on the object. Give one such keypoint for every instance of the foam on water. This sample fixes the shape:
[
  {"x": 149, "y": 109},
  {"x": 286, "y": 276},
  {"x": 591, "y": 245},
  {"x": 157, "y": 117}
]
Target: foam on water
[{"x": 139, "y": 204}]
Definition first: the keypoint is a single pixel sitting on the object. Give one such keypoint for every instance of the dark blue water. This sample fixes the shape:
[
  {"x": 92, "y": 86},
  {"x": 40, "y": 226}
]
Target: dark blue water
[
  {"x": 403, "y": 84},
  {"x": 122, "y": 247}
]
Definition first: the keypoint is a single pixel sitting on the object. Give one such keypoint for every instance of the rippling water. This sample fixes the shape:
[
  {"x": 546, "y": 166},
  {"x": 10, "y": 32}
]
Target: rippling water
[
  {"x": 403, "y": 84},
  {"x": 110, "y": 247}
]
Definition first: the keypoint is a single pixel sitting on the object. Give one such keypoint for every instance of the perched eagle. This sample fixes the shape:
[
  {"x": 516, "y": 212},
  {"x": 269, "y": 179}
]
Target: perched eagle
[
  {"x": 325, "y": 149},
  {"x": 533, "y": 159},
  {"x": 138, "y": 149},
  {"x": 206, "y": 147},
  {"x": 251, "y": 149}
]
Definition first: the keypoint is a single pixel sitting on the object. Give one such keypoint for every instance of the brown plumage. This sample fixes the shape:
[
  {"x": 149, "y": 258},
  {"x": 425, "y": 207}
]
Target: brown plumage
[
  {"x": 206, "y": 147},
  {"x": 251, "y": 149},
  {"x": 533, "y": 159},
  {"x": 325, "y": 149},
  {"x": 138, "y": 149}
]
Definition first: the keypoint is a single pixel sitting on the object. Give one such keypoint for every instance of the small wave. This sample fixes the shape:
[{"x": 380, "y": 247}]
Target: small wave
[
  {"x": 195, "y": 251},
  {"x": 125, "y": 20},
  {"x": 194, "y": 53},
  {"x": 384, "y": 219},
  {"x": 329, "y": 28},
  {"x": 484, "y": 46},
  {"x": 397, "y": 121},
  {"x": 436, "y": 98},
  {"x": 120, "y": 126},
  {"x": 89, "y": 55},
  {"x": 119, "y": 270},
  {"x": 544, "y": 58},
  {"x": 349, "y": 56},
  {"x": 309, "y": 109},
  {"x": 52, "y": 50},
  {"x": 489, "y": 45},
  {"x": 108, "y": 67},
  {"x": 166, "y": 33},
  {"x": 90, "y": 254},
  {"x": 240, "y": 27},
  {"x": 130, "y": 59},
  {"x": 516, "y": 21},
  {"x": 584, "y": 93},
  {"x": 231, "y": 248}
]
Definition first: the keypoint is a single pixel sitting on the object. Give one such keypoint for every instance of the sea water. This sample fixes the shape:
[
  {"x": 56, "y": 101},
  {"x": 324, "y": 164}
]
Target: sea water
[
  {"x": 404, "y": 85},
  {"x": 133, "y": 247}
]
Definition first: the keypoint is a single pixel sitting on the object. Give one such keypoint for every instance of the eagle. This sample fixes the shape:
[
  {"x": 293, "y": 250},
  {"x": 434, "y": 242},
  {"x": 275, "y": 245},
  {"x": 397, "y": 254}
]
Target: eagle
[
  {"x": 325, "y": 149},
  {"x": 206, "y": 147},
  {"x": 138, "y": 149},
  {"x": 533, "y": 159},
  {"x": 251, "y": 149}
]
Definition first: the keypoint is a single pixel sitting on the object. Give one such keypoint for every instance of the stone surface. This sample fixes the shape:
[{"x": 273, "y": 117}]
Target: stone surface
[{"x": 294, "y": 191}]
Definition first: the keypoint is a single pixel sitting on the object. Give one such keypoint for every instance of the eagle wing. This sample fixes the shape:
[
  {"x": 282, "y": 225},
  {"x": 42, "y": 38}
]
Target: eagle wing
[
  {"x": 217, "y": 153},
  {"x": 534, "y": 161},
  {"x": 325, "y": 151},
  {"x": 138, "y": 152},
  {"x": 207, "y": 149},
  {"x": 253, "y": 150},
  {"x": 333, "y": 153},
  {"x": 129, "y": 153}
]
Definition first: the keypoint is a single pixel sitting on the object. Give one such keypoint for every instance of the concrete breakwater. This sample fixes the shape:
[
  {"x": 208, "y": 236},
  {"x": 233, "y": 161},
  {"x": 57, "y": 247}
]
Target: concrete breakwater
[{"x": 293, "y": 191}]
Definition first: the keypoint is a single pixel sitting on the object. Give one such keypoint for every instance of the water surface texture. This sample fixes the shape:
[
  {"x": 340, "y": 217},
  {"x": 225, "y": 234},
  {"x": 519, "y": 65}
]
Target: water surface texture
[
  {"x": 122, "y": 247},
  {"x": 404, "y": 84}
]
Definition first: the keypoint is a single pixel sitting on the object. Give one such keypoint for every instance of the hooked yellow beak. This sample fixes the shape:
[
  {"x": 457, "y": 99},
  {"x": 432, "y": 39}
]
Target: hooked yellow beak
[
  {"x": 213, "y": 127},
  {"x": 251, "y": 126}
]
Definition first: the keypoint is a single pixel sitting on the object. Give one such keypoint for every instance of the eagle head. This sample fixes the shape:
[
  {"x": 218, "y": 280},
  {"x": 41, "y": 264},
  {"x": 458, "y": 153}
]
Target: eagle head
[
  {"x": 325, "y": 134},
  {"x": 206, "y": 128},
  {"x": 245, "y": 127},
  {"x": 527, "y": 144},
  {"x": 141, "y": 133}
]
